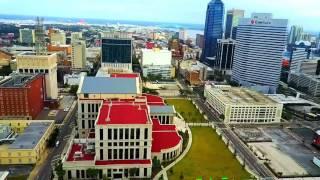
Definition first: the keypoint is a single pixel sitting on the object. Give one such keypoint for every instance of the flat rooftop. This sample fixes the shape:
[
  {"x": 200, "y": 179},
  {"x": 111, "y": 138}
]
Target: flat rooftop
[
  {"x": 17, "y": 80},
  {"x": 162, "y": 109},
  {"x": 79, "y": 148},
  {"x": 105, "y": 85},
  {"x": 31, "y": 136},
  {"x": 154, "y": 99},
  {"x": 127, "y": 75},
  {"x": 241, "y": 96},
  {"x": 117, "y": 112}
]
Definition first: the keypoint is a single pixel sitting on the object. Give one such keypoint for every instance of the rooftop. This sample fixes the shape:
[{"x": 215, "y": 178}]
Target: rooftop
[
  {"x": 240, "y": 96},
  {"x": 31, "y": 136},
  {"x": 159, "y": 127},
  {"x": 113, "y": 112},
  {"x": 78, "y": 153},
  {"x": 154, "y": 100},
  {"x": 132, "y": 75},
  {"x": 161, "y": 109},
  {"x": 17, "y": 80},
  {"x": 105, "y": 85}
]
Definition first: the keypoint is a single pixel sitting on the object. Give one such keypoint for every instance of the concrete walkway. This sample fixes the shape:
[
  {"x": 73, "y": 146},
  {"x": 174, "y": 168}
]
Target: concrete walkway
[{"x": 163, "y": 172}]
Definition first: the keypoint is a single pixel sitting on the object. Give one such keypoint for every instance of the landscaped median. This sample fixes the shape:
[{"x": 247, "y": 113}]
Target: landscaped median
[{"x": 208, "y": 157}]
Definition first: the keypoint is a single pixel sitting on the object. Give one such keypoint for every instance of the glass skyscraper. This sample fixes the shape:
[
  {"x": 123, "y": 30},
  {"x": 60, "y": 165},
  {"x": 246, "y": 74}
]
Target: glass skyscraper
[{"x": 213, "y": 30}]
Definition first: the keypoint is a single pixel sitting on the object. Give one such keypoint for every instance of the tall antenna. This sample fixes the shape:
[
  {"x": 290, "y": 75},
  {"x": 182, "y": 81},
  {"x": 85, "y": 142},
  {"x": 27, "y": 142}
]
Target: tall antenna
[{"x": 40, "y": 42}]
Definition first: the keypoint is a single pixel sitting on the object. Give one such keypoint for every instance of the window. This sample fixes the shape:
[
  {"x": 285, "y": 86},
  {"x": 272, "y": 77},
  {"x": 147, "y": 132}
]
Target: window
[
  {"x": 115, "y": 134},
  {"x": 83, "y": 124},
  {"x": 120, "y": 153},
  {"x": 131, "y": 153},
  {"x": 115, "y": 154},
  {"x": 110, "y": 134},
  {"x": 145, "y": 172},
  {"x": 126, "y": 133},
  {"x": 120, "y": 133},
  {"x": 86, "y": 95},
  {"x": 82, "y": 174},
  {"x": 137, "y": 153},
  {"x": 78, "y": 174},
  {"x": 132, "y": 134},
  {"x": 137, "y": 133},
  {"x": 89, "y": 108},
  {"x": 69, "y": 175},
  {"x": 46, "y": 71},
  {"x": 101, "y": 133},
  {"x": 82, "y": 108},
  {"x": 109, "y": 173},
  {"x": 109, "y": 154},
  {"x": 126, "y": 156},
  {"x": 120, "y": 143},
  {"x": 146, "y": 133},
  {"x": 145, "y": 153},
  {"x": 101, "y": 154},
  {"x": 101, "y": 144}
]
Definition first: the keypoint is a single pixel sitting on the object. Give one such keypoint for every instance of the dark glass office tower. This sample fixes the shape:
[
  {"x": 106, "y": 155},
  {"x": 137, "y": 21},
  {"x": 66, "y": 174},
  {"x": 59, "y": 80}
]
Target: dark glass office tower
[
  {"x": 213, "y": 30},
  {"x": 116, "y": 50}
]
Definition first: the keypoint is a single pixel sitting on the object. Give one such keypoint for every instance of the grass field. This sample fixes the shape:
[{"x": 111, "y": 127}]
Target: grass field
[
  {"x": 208, "y": 157},
  {"x": 187, "y": 110}
]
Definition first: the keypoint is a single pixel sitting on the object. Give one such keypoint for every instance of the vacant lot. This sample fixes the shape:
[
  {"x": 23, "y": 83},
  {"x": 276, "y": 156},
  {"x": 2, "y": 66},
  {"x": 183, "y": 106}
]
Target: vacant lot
[
  {"x": 187, "y": 110},
  {"x": 208, "y": 157}
]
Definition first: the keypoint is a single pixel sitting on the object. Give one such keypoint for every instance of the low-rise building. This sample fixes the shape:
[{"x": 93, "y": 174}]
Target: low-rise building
[
  {"x": 305, "y": 82},
  {"x": 73, "y": 79},
  {"x": 23, "y": 141},
  {"x": 21, "y": 96},
  {"x": 242, "y": 105}
]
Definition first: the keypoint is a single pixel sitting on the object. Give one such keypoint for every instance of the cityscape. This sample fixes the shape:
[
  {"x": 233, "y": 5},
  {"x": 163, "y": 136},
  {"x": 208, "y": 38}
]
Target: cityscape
[{"x": 232, "y": 95}]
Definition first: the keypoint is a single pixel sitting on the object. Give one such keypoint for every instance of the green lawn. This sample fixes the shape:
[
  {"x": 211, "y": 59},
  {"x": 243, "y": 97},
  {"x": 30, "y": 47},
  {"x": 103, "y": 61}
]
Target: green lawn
[
  {"x": 208, "y": 157},
  {"x": 187, "y": 110}
]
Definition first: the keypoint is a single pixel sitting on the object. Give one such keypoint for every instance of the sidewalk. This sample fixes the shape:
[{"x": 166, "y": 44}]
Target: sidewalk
[{"x": 39, "y": 165}]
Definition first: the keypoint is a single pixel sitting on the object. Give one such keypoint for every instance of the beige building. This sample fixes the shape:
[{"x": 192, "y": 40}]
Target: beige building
[
  {"x": 76, "y": 36},
  {"x": 57, "y": 37},
  {"x": 241, "y": 105},
  {"x": 31, "y": 63},
  {"x": 78, "y": 55},
  {"x": 23, "y": 141}
]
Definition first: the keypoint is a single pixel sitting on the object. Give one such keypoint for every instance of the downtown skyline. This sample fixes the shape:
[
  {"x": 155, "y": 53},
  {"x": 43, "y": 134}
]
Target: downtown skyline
[{"x": 305, "y": 14}]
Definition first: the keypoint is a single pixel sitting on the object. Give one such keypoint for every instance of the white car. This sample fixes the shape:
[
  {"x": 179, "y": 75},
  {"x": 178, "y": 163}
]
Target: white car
[{"x": 57, "y": 143}]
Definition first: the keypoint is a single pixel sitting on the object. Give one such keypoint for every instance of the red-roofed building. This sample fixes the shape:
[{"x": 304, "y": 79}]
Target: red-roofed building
[{"x": 127, "y": 134}]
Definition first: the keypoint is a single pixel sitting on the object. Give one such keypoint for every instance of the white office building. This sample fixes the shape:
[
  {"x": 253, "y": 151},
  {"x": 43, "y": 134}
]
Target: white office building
[{"x": 260, "y": 43}]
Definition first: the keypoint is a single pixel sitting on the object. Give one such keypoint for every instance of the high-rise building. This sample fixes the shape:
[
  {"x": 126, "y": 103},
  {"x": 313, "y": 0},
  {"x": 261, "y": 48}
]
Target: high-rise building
[
  {"x": 213, "y": 30},
  {"x": 224, "y": 58},
  {"x": 78, "y": 54},
  {"x": 27, "y": 36},
  {"x": 76, "y": 36},
  {"x": 183, "y": 35},
  {"x": 30, "y": 63},
  {"x": 57, "y": 36},
  {"x": 295, "y": 34},
  {"x": 200, "y": 41},
  {"x": 260, "y": 44},
  {"x": 232, "y": 22},
  {"x": 117, "y": 52}
]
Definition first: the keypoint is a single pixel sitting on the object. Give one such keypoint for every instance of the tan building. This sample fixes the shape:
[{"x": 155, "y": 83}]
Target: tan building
[
  {"x": 5, "y": 58},
  {"x": 32, "y": 64},
  {"x": 242, "y": 106},
  {"x": 57, "y": 37},
  {"x": 23, "y": 141},
  {"x": 76, "y": 36},
  {"x": 78, "y": 55}
]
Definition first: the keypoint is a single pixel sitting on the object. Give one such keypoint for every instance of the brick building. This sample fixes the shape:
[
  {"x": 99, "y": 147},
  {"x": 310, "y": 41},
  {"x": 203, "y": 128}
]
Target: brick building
[{"x": 21, "y": 96}]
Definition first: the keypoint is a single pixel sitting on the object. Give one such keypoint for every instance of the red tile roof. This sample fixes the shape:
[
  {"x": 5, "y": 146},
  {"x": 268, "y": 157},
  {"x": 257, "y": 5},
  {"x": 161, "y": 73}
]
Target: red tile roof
[
  {"x": 117, "y": 112},
  {"x": 132, "y": 75},
  {"x": 114, "y": 162},
  {"x": 153, "y": 99},
  {"x": 164, "y": 140},
  {"x": 159, "y": 127},
  {"x": 76, "y": 148}
]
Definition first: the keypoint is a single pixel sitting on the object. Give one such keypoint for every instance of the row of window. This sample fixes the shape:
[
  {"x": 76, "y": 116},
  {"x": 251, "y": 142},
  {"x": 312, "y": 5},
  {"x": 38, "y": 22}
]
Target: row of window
[
  {"x": 34, "y": 71},
  {"x": 90, "y": 108},
  {"x": 116, "y": 144},
  {"x": 115, "y": 134},
  {"x": 82, "y": 174},
  {"x": 124, "y": 154}
]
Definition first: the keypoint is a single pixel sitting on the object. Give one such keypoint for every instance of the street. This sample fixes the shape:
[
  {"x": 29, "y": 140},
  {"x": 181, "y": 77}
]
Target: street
[{"x": 65, "y": 130}]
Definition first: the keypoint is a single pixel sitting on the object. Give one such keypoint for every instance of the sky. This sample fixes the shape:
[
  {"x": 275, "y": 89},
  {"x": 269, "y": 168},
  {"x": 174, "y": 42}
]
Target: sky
[{"x": 299, "y": 12}]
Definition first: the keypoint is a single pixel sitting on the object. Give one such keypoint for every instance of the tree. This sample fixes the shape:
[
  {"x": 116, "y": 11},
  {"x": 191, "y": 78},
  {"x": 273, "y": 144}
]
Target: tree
[
  {"x": 222, "y": 116},
  {"x": 52, "y": 138},
  {"x": 93, "y": 173},
  {"x": 74, "y": 89},
  {"x": 181, "y": 176},
  {"x": 59, "y": 170},
  {"x": 156, "y": 163}
]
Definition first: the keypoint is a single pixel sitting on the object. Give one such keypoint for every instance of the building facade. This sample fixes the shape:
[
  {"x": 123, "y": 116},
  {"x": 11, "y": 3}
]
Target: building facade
[
  {"x": 213, "y": 29},
  {"x": 295, "y": 34},
  {"x": 22, "y": 96},
  {"x": 23, "y": 141},
  {"x": 78, "y": 55},
  {"x": 117, "y": 53},
  {"x": 242, "y": 106},
  {"x": 305, "y": 82},
  {"x": 76, "y": 36},
  {"x": 260, "y": 44},
  {"x": 200, "y": 41},
  {"x": 30, "y": 63},
  {"x": 57, "y": 37},
  {"x": 27, "y": 36},
  {"x": 224, "y": 59},
  {"x": 232, "y": 21}
]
